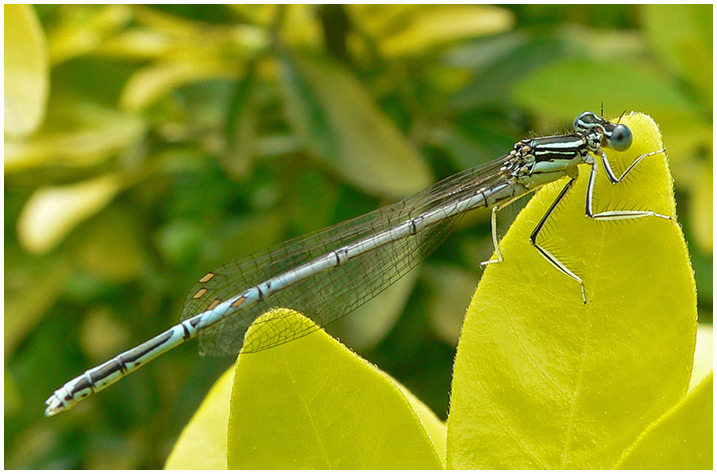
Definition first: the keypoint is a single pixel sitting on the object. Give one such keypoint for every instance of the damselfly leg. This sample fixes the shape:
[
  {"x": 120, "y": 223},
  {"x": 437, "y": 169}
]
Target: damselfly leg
[
  {"x": 543, "y": 251},
  {"x": 620, "y": 214},
  {"x": 494, "y": 237}
]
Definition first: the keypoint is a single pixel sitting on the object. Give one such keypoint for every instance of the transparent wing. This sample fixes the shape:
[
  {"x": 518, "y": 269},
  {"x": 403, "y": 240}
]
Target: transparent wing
[{"x": 327, "y": 296}]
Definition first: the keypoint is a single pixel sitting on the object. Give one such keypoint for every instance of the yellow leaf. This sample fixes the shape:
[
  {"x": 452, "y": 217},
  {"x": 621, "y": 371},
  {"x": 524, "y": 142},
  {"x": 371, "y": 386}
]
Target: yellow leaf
[
  {"x": 203, "y": 442},
  {"x": 435, "y": 428},
  {"x": 703, "y": 360},
  {"x": 430, "y": 27},
  {"x": 261, "y": 15},
  {"x": 103, "y": 334},
  {"x": 543, "y": 380},
  {"x": 680, "y": 439},
  {"x": 27, "y": 72},
  {"x": 138, "y": 44},
  {"x": 52, "y": 211},
  {"x": 79, "y": 31},
  {"x": 153, "y": 82},
  {"x": 311, "y": 403},
  {"x": 299, "y": 26},
  {"x": 75, "y": 135}
]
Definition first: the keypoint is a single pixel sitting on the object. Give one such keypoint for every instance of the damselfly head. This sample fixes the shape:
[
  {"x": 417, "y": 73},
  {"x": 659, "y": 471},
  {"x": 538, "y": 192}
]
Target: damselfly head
[
  {"x": 587, "y": 121},
  {"x": 615, "y": 136}
]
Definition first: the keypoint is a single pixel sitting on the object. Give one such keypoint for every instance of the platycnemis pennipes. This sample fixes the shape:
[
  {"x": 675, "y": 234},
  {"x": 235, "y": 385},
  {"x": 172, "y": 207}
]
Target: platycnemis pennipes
[{"x": 332, "y": 272}]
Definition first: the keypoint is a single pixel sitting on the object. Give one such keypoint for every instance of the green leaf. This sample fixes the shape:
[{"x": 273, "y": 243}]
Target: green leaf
[
  {"x": 682, "y": 36},
  {"x": 27, "y": 71},
  {"x": 315, "y": 201},
  {"x": 701, "y": 207},
  {"x": 304, "y": 109},
  {"x": 498, "y": 63},
  {"x": 32, "y": 287},
  {"x": 11, "y": 394},
  {"x": 679, "y": 439},
  {"x": 246, "y": 234},
  {"x": 311, "y": 403},
  {"x": 544, "y": 381},
  {"x": 451, "y": 290},
  {"x": 109, "y": 246},
  {"x": 240, "y": 128},
  {"x": 581, "y": 84},
  {"x": 340, "y": 122},
  {"x": 369, "y": 323}
]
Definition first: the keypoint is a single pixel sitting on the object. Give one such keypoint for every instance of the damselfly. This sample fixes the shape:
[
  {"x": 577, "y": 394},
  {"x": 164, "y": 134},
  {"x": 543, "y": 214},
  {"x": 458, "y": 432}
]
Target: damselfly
[{"x": 332, "y": 272}]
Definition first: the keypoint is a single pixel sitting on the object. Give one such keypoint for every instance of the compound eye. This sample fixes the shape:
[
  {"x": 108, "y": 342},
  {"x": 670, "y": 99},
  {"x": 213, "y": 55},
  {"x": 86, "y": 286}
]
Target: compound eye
[{"x": 621, "y": 138}]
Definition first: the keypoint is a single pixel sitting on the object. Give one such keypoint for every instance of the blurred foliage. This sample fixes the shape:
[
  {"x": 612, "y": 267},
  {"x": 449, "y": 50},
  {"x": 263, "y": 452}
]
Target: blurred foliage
[{"x": 175, "y": 138}]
